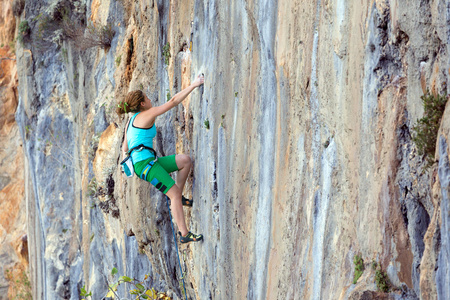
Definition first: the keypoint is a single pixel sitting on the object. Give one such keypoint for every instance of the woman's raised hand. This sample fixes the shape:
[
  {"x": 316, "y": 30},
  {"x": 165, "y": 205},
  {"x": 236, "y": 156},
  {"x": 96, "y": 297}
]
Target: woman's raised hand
[{"x": 199, "y": 81}]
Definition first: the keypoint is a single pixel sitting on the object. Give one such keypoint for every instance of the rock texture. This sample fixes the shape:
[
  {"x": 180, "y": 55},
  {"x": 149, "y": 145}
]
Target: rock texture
[
  {"x": 300, "y": 137},
  {"x": 13, "y": 231}
]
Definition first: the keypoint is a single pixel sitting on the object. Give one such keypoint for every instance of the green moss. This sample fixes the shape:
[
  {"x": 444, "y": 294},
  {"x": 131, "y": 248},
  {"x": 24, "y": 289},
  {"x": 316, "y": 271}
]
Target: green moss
[
  {"x": 166, "y": 53},
  {"x": 382, "y": 280},
  {"x": 426, "y": 130},
  {"x": 24, "y": 31},
  {"x": 118, "y": 59},
  {"x": 24, "y": 27},
  {"x": 359, "y": 268}
]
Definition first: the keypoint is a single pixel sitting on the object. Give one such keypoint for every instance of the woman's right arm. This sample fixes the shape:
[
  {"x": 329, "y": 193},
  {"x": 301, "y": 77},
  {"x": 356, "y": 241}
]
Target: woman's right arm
[
  {"x": 124, "y": 147},
  {"x": 125, "y": 142}
]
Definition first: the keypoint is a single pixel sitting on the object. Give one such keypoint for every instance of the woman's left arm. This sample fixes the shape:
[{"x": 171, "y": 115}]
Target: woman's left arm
[{"x": 177, "y": 99}]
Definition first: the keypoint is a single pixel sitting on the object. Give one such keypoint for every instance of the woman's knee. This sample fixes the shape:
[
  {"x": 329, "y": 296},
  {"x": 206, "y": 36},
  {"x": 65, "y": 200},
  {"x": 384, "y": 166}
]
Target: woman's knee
[
  {"x": 183, "y": 161},
  {"x": 174, "y": 193}
]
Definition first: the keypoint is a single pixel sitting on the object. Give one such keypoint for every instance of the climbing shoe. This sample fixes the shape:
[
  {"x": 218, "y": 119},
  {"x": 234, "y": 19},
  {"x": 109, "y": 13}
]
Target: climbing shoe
[
  {"x": 186, "y": 202},
  {"x": 190, "y": 237}
]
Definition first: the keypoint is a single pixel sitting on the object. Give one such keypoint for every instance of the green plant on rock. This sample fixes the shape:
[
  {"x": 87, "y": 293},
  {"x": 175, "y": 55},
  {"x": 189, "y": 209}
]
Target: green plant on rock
[
  {"x": 84, "y": 293},
  {"x": 139, "y": 289},
  {"x": 92, "y": 188},
  {"x": 24, "y": 31},
  {"x": 382, "y": 280},
  {"x": 166, "y": 53},
  {"x": 206, "y": 123},
  {"x": 359, "y": 268},
  {"x": 118, "y": 59},
  {"x": 426, "y": 130}
]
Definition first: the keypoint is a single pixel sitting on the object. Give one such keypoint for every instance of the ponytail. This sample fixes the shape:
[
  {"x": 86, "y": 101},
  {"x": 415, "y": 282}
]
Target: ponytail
[{"x": 132, "y": 102}]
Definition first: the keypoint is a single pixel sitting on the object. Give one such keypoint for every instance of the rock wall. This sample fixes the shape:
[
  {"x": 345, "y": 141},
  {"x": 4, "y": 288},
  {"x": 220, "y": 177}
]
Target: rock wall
[
  {"x": 13, "y": 232},
  {"x": 300, "y": 137}
]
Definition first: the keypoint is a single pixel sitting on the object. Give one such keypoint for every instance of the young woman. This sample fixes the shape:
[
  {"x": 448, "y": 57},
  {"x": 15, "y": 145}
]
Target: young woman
[{"x": 141, "y": 130}]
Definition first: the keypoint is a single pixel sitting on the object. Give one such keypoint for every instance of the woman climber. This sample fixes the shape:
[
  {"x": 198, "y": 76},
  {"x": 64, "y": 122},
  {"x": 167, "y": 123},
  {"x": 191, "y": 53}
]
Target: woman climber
[{"x": 156, "y": 171}]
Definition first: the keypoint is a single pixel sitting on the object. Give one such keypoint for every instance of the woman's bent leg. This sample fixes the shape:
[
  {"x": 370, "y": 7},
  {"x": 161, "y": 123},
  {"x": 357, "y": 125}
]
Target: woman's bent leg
[
  {"x": 174, "y": 193},
  {"x": 184, "y": 167}
]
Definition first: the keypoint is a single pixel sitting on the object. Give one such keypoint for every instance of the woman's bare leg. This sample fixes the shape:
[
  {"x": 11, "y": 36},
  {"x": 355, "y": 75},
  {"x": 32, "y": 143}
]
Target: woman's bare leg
[
  {"x": 174, "y": 194},
  {"x": 184, "y": 167}
]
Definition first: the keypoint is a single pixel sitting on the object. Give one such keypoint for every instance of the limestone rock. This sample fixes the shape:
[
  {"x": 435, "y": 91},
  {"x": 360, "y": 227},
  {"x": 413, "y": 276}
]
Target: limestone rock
[
  {"x": 14, "y": 257},
  {"x": 301, "y": 140}
]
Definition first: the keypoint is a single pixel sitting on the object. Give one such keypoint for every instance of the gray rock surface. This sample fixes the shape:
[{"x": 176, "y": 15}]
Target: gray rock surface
[{"x": 307, "y": 160}]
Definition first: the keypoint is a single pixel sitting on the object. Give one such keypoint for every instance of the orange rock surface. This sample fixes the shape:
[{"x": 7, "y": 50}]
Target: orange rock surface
[{"x": 13, "y": 237}]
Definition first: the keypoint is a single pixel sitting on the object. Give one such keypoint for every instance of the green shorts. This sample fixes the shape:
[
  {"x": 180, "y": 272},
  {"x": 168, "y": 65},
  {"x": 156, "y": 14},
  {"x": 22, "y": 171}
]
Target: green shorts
[{"x": 159, "y": 172}]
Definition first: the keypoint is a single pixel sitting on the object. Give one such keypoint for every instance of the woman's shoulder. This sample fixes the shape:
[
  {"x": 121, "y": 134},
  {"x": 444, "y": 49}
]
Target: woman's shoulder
[{"x": 144, "y": 120}]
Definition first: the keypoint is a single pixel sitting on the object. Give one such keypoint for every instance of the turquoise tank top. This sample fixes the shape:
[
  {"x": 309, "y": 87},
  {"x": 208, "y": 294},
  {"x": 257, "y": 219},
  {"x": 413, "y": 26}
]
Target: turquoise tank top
[{"x": 137, "y": 136}]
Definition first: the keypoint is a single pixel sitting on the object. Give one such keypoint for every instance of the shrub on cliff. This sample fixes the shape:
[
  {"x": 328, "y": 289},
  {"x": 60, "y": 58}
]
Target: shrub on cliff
[
  {"x": 426, "y": 130},
  {"x": 382, "y": 280},
  {"x": 63, "y": 25},
  {"x": 93, "y": 35},
  {"x": 24, "y": 31}
]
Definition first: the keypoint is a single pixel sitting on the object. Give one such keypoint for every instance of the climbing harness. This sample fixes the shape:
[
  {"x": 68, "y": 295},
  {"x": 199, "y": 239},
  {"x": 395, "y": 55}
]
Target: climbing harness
[
  {"x": 127, "y": 163},
  {"x": 147, "y": 169},
  {"x": 176, "y": 246}
]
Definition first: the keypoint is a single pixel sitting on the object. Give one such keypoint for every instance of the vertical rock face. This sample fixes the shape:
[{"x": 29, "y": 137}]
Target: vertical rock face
[
  {"x": 300, "y": 137},
  {"x": 13, "y": 231}
]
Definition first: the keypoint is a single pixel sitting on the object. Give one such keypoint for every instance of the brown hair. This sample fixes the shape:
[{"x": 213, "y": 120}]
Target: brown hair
[{"x": 132, "y": 103}]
